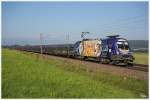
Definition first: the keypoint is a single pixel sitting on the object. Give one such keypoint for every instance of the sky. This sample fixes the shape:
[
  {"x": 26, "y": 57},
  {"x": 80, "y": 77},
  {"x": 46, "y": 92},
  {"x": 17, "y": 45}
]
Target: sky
[{"x": 22, "y": 22}]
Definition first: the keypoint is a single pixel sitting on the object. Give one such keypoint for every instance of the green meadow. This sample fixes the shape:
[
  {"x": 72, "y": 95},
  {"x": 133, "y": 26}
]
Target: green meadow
[
  {"x": 141, "y": 58},
  {"x": 26, "y": 75}
]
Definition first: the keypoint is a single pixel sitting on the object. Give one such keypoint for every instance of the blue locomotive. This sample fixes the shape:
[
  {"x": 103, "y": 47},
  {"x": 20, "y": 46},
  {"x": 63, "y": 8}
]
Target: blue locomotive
[
  {"x": 112, "y": 50},
  {"x": 116, "y": 50}
]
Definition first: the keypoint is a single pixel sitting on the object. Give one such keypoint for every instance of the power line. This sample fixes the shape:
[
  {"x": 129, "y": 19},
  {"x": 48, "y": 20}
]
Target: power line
[
  {"x": 124, "y": 21},
  {"x": 118, "y": 25}
]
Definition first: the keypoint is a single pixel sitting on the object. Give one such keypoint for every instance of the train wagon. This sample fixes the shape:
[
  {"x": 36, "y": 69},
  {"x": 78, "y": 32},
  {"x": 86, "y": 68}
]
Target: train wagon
[{"x": 87, "y": 48}]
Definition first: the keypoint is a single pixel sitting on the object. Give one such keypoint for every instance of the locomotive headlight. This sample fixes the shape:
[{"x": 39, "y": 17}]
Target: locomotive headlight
[{"x": 117, "y": 53}]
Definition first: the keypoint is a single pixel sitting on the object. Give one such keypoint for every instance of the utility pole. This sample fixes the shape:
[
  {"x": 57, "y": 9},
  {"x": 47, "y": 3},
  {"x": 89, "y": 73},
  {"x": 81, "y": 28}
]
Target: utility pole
[
  {"x": 67, "y": 37},
  {"x": 41, "y": 43}
]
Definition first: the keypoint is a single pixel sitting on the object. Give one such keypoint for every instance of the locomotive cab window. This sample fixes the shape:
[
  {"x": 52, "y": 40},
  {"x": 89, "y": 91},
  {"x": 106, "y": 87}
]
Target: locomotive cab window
[{"x": 123, "y": 45}]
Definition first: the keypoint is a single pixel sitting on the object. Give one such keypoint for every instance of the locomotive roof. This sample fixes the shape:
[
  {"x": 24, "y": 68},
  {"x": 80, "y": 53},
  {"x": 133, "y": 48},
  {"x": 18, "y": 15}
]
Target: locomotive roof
[
  {"x": 113, "y": 36},
  {"x": 89, "y": 39}
]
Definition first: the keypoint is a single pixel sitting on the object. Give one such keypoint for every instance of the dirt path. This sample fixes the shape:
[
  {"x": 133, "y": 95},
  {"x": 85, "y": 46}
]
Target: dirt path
[
  {"x": 94, "y": 67},
  {"x": 91, "y": 66}
]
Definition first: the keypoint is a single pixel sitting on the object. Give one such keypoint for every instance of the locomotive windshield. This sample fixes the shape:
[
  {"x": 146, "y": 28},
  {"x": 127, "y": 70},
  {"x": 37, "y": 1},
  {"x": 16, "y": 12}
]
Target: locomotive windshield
[{"x": 123, "y": 45}]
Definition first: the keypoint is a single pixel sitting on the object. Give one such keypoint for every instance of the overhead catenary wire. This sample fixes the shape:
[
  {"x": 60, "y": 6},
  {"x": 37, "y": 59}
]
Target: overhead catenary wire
[
  {"x": 124, "y": 26},
  {"x": 124, "y": 21},
  {"x": 117, "y": 26}
]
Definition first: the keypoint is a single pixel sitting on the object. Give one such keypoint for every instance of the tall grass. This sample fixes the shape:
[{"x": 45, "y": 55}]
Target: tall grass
[
  {"x": 30, "y": 76},
  {"x": 141, "y": 58}
]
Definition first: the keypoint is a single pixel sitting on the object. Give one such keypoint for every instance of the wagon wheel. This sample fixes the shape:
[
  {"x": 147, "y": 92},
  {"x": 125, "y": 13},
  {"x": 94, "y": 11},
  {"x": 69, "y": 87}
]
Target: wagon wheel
[{"x": 102, "y": 60}]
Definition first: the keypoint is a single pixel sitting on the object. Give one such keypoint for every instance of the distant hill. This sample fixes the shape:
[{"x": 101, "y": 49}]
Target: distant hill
[
  {"x": 136, "y": 44},
  {"x": 139, "y": 45}
]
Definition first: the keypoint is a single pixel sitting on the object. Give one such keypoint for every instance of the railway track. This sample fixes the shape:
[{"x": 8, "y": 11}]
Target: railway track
[{"x": 139, "y": 67}]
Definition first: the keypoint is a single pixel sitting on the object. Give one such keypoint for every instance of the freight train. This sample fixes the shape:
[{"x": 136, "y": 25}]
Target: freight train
[{"x": 113, "y": 50}]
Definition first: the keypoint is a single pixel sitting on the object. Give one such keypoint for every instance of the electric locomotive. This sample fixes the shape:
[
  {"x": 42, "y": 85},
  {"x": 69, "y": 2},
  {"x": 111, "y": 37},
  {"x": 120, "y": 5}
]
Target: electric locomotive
[{"x": 116, "y": 51}]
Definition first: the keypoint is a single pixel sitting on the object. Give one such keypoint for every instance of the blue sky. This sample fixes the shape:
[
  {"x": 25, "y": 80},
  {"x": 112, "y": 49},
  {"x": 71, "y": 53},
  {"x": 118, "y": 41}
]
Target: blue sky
[{"x": 22, "y": 22}]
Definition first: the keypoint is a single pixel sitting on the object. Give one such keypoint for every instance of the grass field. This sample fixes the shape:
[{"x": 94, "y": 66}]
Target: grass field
[
  {"x": 26, "y": 75},
  {"x": 141, "y": 58}
]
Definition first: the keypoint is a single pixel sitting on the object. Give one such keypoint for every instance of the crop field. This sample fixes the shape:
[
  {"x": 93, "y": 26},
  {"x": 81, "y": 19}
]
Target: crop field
[
  {"x": 141, "y": 58},
  {"x": 26, "y": 75}
]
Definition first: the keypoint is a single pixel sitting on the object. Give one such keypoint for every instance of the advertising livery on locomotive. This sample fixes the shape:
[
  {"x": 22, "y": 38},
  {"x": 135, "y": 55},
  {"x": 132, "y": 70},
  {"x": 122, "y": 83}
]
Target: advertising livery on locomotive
[
  {"x": 113, "y": 50},
  {"x": 116, "y": 50},
  {"x": 87, "y": 48}
]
